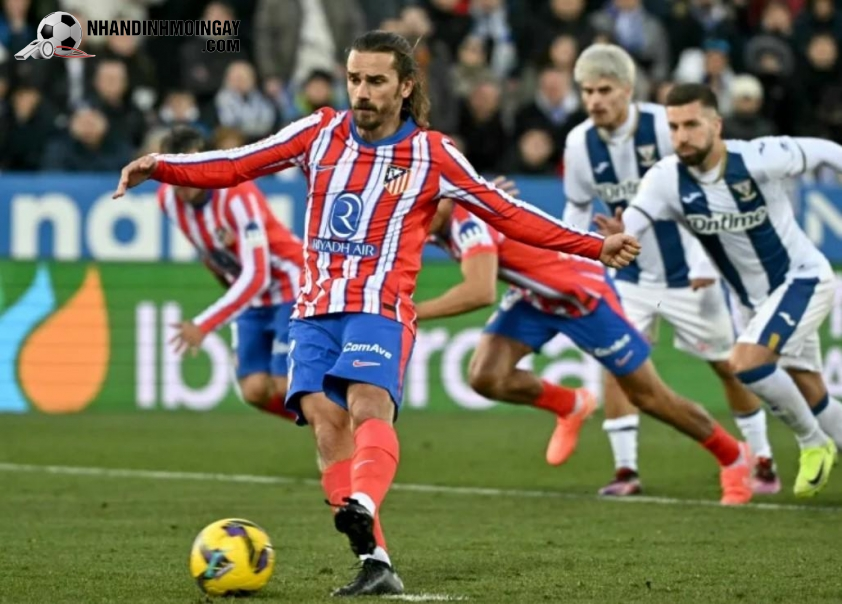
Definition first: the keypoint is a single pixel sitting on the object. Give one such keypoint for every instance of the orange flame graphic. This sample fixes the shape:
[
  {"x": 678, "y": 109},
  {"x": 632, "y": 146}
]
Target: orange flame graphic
[{"x": 65, "y": 361}]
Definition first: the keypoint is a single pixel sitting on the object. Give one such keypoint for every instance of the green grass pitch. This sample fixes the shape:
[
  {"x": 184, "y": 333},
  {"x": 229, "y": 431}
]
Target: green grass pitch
[{"x": 538, "y": 534}]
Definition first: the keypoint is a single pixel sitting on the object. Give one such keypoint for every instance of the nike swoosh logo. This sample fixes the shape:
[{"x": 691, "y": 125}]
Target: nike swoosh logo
[
  {"x": 365, "y": 364},
  {"x": 362, "y": 463},
  {"x": 815, "y": 481},
  {"x": 625, "y": 359},
  {"x": 691, "y": 198},
  {"x": 322, "y": 168}
]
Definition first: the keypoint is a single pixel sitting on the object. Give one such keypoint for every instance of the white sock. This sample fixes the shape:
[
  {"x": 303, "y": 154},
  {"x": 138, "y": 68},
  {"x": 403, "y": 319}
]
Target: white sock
[
  {"x": 753, "y": 429},
  {"x": 379, "y": 554},
  {"x": 365, "y": 501},
  {"x": 776, "y": 387},
  {"x": 622, "y": 433},
  {"x": 829, "y": 415}
]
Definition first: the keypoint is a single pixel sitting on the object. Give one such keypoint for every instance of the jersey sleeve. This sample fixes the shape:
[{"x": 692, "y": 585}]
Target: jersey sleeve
[
  {"x": 514, "y": 218},
  {"x": 255, "y": 276},
  {"x": 579, "y": 186},
  {"x": 230, "y": 167},
  {"x": 655, "y": 200},
  {"x": 471, "y": 235},
  {"x": 777, "y": 157}
]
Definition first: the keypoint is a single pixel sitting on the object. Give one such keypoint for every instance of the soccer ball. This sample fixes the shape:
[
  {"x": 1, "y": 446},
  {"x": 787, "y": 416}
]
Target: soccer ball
[
  {"x": 231, "y": 557},
  {"x": 62, "y": 29}
]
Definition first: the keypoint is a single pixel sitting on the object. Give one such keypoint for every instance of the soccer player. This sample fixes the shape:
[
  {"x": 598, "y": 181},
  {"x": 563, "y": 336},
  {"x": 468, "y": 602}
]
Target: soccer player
[
  {"x": 555, "y": 293},
  {"x": 732, "y": 196},
  {"x": 375, "y": 174},
  {"x": 672, "y": 279},
  {"x": 256, "y": 258}
]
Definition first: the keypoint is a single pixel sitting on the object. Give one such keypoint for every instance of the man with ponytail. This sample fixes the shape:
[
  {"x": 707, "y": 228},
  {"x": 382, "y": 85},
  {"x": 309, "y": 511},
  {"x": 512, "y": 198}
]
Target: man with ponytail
[{"x": 375, "y": 175}]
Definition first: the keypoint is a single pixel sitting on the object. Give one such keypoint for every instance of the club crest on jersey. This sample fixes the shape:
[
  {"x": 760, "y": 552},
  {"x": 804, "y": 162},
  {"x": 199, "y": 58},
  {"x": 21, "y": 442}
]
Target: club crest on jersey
[
  {"x": 744, "y": 190},
  {"x": 397, "y": 179},
  {"x": 647, "y": 155}
]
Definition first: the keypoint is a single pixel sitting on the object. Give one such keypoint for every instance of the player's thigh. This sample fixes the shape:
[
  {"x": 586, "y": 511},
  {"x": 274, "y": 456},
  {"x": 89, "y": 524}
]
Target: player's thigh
[
  {"x": 701, "y": 320},
  {"x": 252, "y": 342},
  {"x": 314, "y": 348},
  {"x": 787, "y": 322},
  {"x": 496, "y": 355},
  {"x": 374, "y": 351},
  {"x": 255, "y": 388},
  {"x": 640, "y": 305}
]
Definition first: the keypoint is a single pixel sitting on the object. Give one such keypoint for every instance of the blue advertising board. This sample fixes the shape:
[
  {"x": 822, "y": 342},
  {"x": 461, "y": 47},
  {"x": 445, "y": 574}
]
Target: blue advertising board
[{"x": 72, "y": 216}]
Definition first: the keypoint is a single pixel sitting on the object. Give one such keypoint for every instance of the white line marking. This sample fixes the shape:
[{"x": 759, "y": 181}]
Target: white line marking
[
  {"x": 415, "y": 488},
  {"x": 426, "y": 598}
]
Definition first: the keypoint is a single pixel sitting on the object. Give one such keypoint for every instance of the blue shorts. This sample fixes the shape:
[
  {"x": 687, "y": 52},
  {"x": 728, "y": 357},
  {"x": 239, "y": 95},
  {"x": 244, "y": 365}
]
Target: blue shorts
[
  {"x": 605, "y": 334},
  {"x": 261, "y": 340},
  {"x": 330, "y": 352}
]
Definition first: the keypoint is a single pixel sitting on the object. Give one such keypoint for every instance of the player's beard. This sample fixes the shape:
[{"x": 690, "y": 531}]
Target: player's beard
[
  {"x": 373, "y": 118},
  {"x": 697, "y": 157}
]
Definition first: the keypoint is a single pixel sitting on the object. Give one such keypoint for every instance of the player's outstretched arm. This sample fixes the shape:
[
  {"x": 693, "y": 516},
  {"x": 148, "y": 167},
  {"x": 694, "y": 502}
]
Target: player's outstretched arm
[
  {"x": 521, "y": 221},
  {"x": 477, "y": 289},
  {"x": 228, "y": 168}
]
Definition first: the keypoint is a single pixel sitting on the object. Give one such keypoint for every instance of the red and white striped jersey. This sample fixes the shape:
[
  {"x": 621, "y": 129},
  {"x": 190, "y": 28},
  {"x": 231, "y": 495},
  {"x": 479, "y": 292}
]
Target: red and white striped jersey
[
  {"x": 240, "y": 239},
  {"x": 551, "y": 281},
  {"x": 369, "y": 207}
]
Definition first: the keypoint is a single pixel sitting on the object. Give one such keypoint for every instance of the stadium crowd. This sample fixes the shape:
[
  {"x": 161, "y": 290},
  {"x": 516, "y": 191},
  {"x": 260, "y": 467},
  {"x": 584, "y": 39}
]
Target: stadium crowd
[{"x": 499, "y": 71}]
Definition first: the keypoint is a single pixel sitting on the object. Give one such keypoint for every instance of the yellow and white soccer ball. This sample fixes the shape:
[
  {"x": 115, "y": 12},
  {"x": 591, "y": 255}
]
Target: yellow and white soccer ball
[{"x": 232, "y": 557}]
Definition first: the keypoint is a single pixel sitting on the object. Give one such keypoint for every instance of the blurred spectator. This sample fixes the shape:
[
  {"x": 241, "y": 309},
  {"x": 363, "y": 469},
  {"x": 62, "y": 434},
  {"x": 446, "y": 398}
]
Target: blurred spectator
[
  {"x": 434, "y": 62},
  {"x": 470, "y": 68},
  {"x": 711, "y": 66},
  {"x": 293, "y": 38},
  {"x": 481, "y": 127},
  {"x": 561, "y": 55},
  {"x": 640, "y": 33},
  {"x": 378, "y": 11},
  {"x": 556, "y": 18},
  {"x": 746, "y": 121},
  {"x": 823, "y": 68},
  {"x": 820, "y": 16},
  {"x": 88, "y": 146},
  {"x": 202, "y": 72},
  {"x": 27, "y": 128},
  {"x": 240, "y": 104},
  {"x": 554, "y": 110},
  {"x": 491, "y": 25},
  {"x": 111, "y": 97},
  {"x": 451, "y": 20},
  {"x": 227, "y": 138},
  {"x": 15, "y": 31},
  {"x": 683, "y": 30},
  {"x": 141, "y": 70},
  {"x": 532, "y": 155},
  {"x": 318, "y": 90},
  {"x": 180, "y": 109}
]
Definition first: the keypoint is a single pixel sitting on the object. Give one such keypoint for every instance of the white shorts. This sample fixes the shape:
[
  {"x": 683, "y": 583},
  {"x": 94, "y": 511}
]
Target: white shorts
[
  {"x": 788, "y": 321},
  {"x": 701, "y": 319}
]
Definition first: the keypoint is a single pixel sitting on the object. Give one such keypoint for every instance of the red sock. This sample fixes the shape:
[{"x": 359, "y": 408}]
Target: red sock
[
  {"x": 724, "y": 447},
  {"x": 376, "y": 454},
  {"x": 275, "y": 406},
  {"x": 556, "y": 399},
  {"x": 336, "y": 483}
]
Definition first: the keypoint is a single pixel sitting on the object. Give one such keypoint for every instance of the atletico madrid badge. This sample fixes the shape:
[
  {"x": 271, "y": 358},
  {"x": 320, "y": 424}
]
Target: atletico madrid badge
[{"x": 397, "y": 179}]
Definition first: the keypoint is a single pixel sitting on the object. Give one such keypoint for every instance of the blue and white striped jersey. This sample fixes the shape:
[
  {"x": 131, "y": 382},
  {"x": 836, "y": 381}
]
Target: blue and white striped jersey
[
  {"x": 609, "y": 166},
  {"x": 740, "y": 212}
]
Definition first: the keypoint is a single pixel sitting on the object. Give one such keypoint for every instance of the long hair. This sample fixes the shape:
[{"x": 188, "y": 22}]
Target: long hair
[{"x": 417, "y": 105}]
